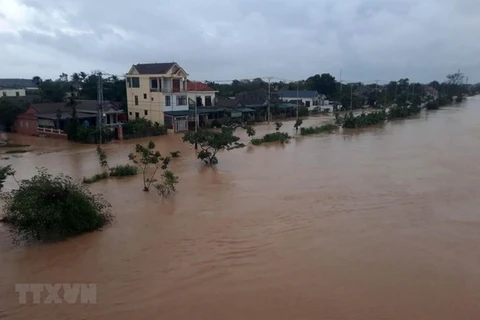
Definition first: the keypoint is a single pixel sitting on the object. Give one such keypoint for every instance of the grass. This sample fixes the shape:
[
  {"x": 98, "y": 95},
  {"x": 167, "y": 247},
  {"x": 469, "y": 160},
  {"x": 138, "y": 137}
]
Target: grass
[
  {"x": 95, "y": 178},
  {"x": 326, "y": 128}
]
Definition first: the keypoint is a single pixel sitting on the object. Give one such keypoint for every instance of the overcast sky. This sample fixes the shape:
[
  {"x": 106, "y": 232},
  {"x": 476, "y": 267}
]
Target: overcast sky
[{"x": 238, "y": 39}]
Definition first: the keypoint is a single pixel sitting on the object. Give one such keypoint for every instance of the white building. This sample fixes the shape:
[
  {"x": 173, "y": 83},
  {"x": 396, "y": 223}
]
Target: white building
[
  {"x": 201, "y": 94},
  {"x": 311, "y": 99},
  {"x": 16, "y": 87}
]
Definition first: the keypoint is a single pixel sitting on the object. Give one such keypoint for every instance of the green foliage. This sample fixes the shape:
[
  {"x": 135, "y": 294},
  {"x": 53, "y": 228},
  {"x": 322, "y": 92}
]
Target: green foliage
[
  {"x": 142, "y": 128},
  {"x": 175, "y": 154},
  {"x": 146, "y": 157},
  {"x": 281, "y": 137},
  {"x": 278, "y": 125},
  {"x": 326, "y": 128},
  {"x": 102, "y": 157},
  {"x": 211, "y": 142},
  {"x": 303, "y": 111},
  {"x": 123, "y": 170},
  {"x": 167, "y": 184},
  {"x": 51, "y": 208},
  {"x": 16, "y": 151},
  {"x": 9, "y": 111},
  {"x": 95, "y": 178},
  {"x": 363, "y": 120},
  {"x": 250, "y": 131},
  {"x": 5, "y": 171},
  {"x": 402, "y": 111},
  {"x": 298, "y": 124}
]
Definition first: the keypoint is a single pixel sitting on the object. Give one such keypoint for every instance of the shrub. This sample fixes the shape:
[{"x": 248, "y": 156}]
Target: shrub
[
  {"x": 363, "y": 120},
  {"x": 124, "y": 170},
  {"x": 175, "y": 154},
  {"x": 51, "y": 208},
  {"x": 316, "y": 130},
  {"x": 5, "y": 171},
  {"x": 142, "y": 128},
  {"x": 281, "y": 137},
  {"x": 95, "y": 178},
  {"x": 167, "y": 184},
  {"x": 402, "y": 111}
]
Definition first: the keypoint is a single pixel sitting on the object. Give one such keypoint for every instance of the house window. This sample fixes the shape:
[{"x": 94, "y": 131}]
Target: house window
[
  {"x": 136, "y": 100},
  {"x": 26, "y": 124},
  {"x": 208, "y": 101},
  {"x": 181, "y": 100},
  {"x": 129, "y": 82},
  {"x": 130, "y": 113},
  {"x": 135, "y": 82},
  {"x": 145, "y": 96},
  {"x": 146, "y": 112},
  {"x": 154, "y": 83},
  {"x": 168, "y": 101},
  {"x": 137, "y": 115},
  {"x": 17, "y": 93},
  {"x": 152, "y": 98}
]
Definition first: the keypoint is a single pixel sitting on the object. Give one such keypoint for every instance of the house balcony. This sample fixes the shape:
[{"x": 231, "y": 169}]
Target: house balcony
[{"x": 168, "y": 90}]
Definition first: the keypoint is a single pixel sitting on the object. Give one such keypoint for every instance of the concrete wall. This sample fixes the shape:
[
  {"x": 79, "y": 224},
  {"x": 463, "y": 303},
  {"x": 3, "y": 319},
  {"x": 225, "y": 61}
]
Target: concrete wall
[{"x": 12, "y": 92}]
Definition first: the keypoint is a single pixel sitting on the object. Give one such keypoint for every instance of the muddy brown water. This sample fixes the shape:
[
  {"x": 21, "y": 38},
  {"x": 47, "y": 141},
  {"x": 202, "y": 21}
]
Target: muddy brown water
[{"x": 382, "y": 223}]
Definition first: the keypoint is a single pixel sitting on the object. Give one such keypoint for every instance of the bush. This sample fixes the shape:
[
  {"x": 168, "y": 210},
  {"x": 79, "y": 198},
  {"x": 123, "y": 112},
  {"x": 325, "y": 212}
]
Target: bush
[
  {"x": 403, "y": 111},
  {"x": 51, "y": 208},
  {"x": 363, "y": 120},
  {"x": 124, "y": 170},
  {"x": 316, "y": 130},
  {"x": 281, "y": 137},
  {"x": 303, "y": 111},
  {"x": 95, "y": 178},
  {"x": 142, "y": 128}
]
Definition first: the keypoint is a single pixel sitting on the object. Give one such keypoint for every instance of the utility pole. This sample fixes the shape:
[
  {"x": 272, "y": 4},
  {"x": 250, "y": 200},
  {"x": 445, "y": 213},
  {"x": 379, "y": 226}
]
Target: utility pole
[
  {"x": 196, "y": 117},
  {"x": 386, "y": 91},
  {"x": 340, "y": 88},
  {"x": 297, "y": 100},
  {"x": 100, "y": 103},
  {"x": 396, "y": 87},
  {"x": 351, "y": 97},
  {"x": 268, "y": 106},
  {"x": 413, "y": 93}
]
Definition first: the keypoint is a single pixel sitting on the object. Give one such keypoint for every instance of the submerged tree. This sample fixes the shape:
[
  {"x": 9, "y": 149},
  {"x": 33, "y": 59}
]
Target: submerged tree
[
  {"x": 298, "y": 124},
  {"x": 5, "y": 171},
  {"x": 211, "y": 142},
  {"x": 146, "y": 157},
  {"x": 52, "y": 208}
]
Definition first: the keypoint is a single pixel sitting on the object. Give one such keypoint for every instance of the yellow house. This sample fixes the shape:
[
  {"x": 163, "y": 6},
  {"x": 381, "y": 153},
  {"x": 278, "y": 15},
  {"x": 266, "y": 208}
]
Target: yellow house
[{"x": 155, "y": 88}]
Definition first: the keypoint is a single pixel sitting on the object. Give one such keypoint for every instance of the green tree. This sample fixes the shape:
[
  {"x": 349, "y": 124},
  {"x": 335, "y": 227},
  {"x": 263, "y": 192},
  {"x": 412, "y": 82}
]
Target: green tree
[
  {"x": 324, "y": 84},
  {"x": 146, "y": 157},
  {"x": 211, "y": 142},
  {"x": 298, "y": 124},
  {"x": 5, "y": 171},
  {"x": 9, "y": 110}
]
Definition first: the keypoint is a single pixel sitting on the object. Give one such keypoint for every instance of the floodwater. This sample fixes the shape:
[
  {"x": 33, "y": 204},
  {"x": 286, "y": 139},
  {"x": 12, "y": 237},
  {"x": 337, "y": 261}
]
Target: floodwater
[{"x": 382, "y": 223}]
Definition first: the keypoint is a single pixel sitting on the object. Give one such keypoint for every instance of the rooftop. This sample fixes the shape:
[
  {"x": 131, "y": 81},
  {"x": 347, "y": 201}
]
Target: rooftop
[
  {"x": 11, "y": 83},
  {"x": 301, "y": 94},
  {"x": 154, "y": 68},
  {"x": 198, "y": 86}
]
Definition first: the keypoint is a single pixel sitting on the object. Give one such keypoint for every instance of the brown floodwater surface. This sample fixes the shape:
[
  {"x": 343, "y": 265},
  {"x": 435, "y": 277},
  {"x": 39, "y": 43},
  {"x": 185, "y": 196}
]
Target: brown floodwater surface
[{"x": 382, "y": 223}]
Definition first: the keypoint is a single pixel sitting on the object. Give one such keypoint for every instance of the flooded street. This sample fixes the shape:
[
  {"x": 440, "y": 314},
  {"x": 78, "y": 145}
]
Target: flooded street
[{"x": 379, "y": 223}]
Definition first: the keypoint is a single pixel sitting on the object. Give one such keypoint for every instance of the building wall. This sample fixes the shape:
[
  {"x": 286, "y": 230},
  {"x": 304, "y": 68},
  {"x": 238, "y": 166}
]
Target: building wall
[
  {"x": 151, "y": 105},
  {"x": 314, "y": 102},
  {"x": 202, "y": 94},
  {"x": 12, "y": 92},
  {"x": 26, "y": 123}
]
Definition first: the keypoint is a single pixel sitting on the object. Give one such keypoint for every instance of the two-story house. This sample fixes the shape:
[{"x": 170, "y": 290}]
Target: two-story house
[
  {"x": 156, "y": 88},
  {"x": 201, "y": 94},
  {"x": 311, "y": 99}
]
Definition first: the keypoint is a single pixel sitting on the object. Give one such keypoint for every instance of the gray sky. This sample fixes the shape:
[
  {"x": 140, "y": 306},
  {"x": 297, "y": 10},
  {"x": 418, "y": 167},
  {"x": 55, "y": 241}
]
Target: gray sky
[{"x": 235, "y": 39}]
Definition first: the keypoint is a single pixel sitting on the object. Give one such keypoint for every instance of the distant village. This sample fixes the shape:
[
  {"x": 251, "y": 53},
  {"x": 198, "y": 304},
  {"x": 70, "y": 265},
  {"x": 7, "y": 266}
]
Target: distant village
[{"x": 161, "y": 95}]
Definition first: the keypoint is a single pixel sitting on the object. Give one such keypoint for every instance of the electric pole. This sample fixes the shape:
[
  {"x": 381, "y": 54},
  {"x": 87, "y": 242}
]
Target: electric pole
[
  {"x": 396, "y": 87},
  {"x": 340, "y": 88},
  {"x": 351, "y": 97},
  {"x": 100, "y": 103},
  {"x": 196, "y": 116},
  {"x": 297, "y": 100},
  {"x": 268, "y": 106}
]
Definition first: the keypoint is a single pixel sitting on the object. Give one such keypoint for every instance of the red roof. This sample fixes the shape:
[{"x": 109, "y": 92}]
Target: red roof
[{"x": 198, "y": 86}]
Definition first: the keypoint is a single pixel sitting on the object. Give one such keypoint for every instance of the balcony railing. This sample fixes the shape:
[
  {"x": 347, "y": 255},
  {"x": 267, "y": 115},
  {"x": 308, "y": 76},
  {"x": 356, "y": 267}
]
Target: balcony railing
[{"x": 51, "y": 130}]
